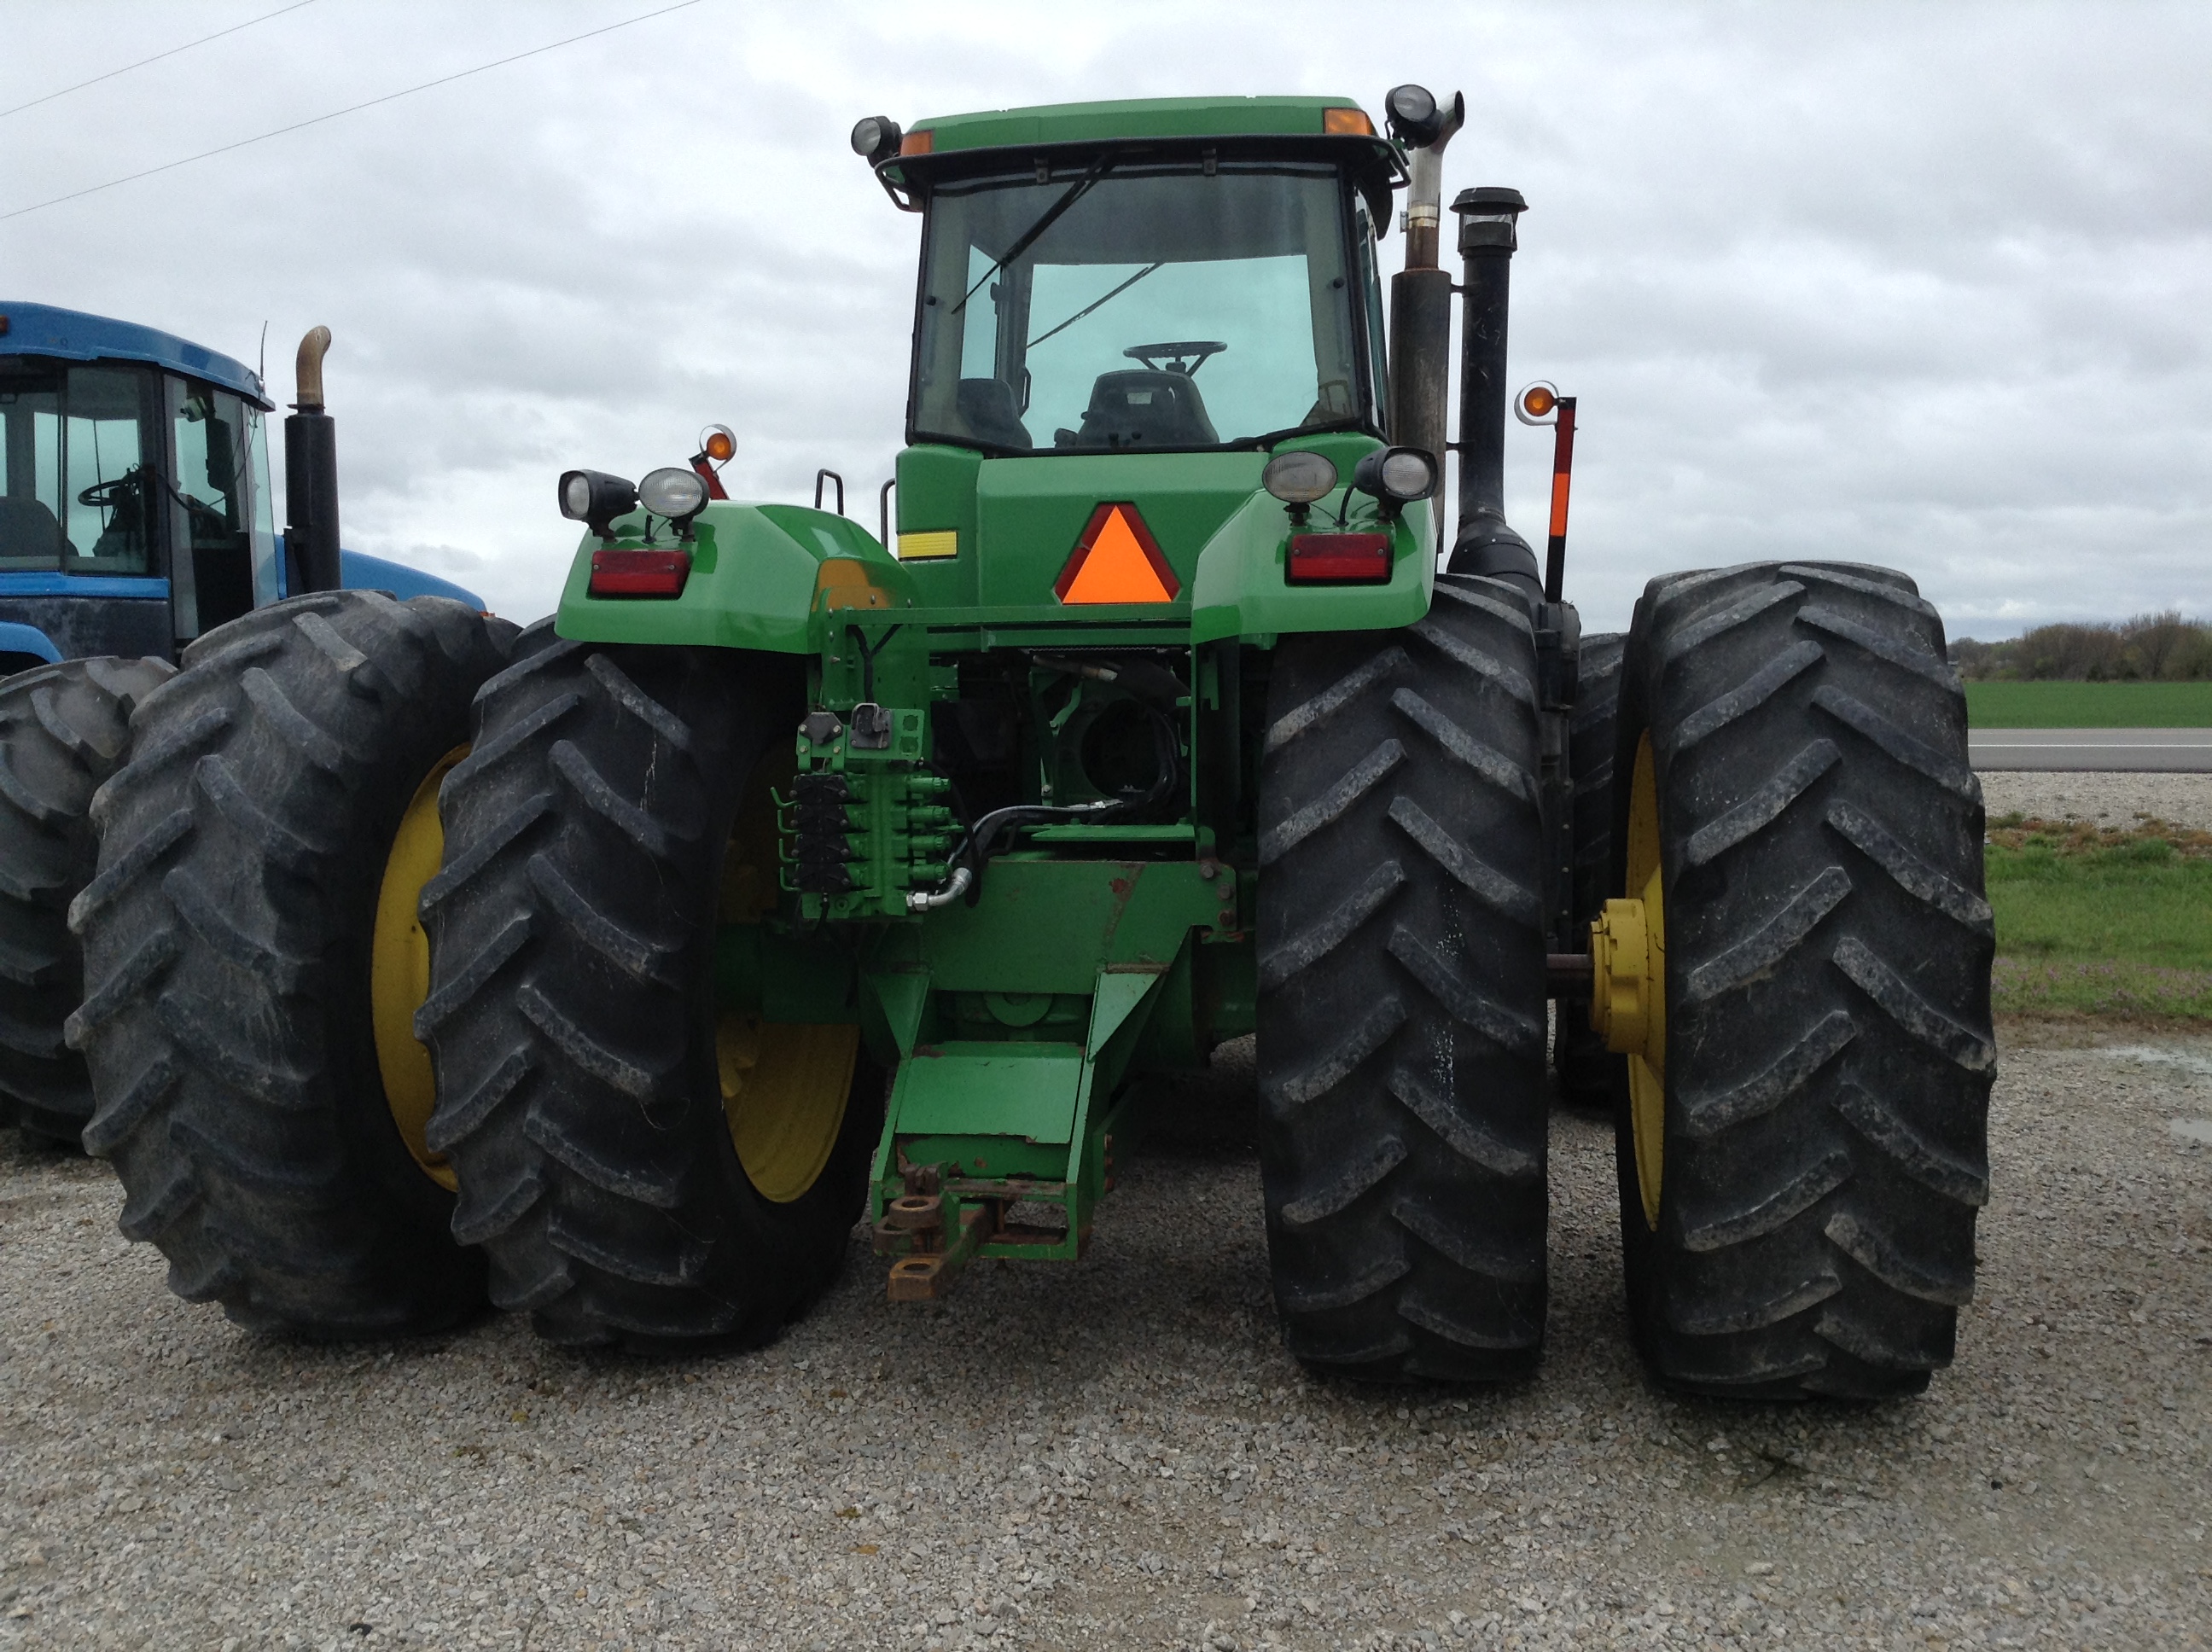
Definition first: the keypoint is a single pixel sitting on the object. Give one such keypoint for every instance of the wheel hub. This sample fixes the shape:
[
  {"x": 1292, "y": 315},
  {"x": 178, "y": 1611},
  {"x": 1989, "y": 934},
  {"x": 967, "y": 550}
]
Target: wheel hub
[
  {"x": 1628, "y": 987},
  {"x": 399, "y": 970}
]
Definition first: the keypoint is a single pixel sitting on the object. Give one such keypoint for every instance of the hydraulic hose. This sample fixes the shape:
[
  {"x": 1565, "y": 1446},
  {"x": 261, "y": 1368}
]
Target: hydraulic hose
[{"x": 1150, "y": 687}]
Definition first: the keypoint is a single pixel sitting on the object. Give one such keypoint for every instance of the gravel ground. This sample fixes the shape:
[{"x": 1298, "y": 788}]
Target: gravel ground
[
  {"x": 1119, "y": 1454},
  {"x": 2110, "y": 799}
]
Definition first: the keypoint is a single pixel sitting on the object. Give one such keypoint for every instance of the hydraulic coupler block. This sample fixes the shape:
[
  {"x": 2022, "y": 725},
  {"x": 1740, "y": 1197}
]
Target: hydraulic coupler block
[{"x": 865, "y": 822}]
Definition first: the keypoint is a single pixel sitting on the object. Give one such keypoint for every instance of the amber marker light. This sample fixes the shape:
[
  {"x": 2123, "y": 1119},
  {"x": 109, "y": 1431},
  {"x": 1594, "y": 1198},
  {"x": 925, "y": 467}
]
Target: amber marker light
[
  {"x": 1346, "y": 122},
  {"x": 1541, "y": 404},
  {"x": 917, "y": 142},
  {"x": 717, "y": 442}
]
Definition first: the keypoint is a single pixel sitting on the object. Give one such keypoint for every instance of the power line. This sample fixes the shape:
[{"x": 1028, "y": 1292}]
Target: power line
[
  {"x": 156, "y": 57},
  {"x": 351, "y": 109}
]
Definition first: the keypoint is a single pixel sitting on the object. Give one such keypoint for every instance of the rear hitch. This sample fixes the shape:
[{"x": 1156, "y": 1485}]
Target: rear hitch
[{"x": 942, "y": 1222}]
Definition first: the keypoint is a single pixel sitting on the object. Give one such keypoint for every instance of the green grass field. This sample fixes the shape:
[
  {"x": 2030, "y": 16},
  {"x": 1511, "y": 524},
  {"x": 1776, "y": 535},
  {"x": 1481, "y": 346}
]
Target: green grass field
[
  {"x": 2089, "y": 705},
  {"x": 2116, "y": 924}
]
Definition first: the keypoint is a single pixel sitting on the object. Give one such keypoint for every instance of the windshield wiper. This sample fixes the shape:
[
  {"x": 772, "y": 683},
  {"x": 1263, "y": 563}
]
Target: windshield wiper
[
  {"x": 1088, "y": 308},
  {"x": 1350, "y": 422},
  {"x": 1028, "y": 237}
]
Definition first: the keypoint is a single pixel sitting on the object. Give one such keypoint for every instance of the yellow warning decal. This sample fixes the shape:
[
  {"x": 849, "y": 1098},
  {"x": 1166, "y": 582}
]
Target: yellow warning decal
[{"x": 921, "y": 547}]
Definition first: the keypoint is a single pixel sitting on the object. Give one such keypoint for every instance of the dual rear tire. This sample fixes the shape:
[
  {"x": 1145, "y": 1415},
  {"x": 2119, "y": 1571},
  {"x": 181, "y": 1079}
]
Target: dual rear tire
[
  {"x": 639, "y": 1166},
  {"x": 1774, "y": 760},
  {"x": 1401, "y": 993},
  {"x": 238, "y": 1041},
  {"x": 64, "y": 729},
  {"x": 1800, "y": 1168}
]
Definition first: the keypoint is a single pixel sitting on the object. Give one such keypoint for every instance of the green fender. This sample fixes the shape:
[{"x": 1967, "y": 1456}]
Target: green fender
[{"x": 758, "y": 575}]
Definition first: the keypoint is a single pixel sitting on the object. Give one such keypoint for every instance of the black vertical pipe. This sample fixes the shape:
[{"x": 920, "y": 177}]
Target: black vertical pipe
[
  {"x": 311, "y": 478},
  {"x": 1485, "y": 544},
  {"x": 1421, "y": 360}
]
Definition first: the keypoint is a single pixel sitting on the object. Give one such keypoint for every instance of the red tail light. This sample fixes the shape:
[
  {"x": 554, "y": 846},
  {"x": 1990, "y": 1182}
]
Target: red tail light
[
  {"x": 1339, "y": 559},
  {"x": 640, "y": 573}
]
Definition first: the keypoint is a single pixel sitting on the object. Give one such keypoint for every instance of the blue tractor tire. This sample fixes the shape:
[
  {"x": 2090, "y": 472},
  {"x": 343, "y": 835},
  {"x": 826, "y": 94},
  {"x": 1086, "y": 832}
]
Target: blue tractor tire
[{"x": 64, "y": 728}]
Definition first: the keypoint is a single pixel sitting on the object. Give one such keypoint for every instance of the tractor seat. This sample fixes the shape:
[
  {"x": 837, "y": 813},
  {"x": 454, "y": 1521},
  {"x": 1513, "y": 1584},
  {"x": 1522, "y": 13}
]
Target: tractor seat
[
  {"x": 1145, "y": 407},
  {"x": 27, "y": 528},
  {"x": 989, "y": 410}
]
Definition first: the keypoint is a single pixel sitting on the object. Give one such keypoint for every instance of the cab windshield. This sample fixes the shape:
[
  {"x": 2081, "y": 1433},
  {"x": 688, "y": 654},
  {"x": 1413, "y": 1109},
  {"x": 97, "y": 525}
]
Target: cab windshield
[{"x": 1142, "y": 307}]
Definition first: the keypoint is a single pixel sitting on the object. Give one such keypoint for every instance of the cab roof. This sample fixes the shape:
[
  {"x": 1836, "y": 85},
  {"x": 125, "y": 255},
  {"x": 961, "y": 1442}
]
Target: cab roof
[
  {"x": 1141, "y": 118},
  {"x": 73, "y": 336},
  {"x": 942, "y": 147}
]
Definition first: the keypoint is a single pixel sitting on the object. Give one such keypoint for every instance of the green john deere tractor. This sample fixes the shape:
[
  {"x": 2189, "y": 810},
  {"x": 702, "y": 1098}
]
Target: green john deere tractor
[{"x": 795, "y": 875}]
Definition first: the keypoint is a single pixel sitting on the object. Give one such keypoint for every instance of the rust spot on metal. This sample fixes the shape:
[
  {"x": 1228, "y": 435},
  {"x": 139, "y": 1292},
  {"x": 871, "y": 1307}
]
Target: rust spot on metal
[
  {"x": 916, "y": 1213},
  {"x": 925, "y": 1275}
]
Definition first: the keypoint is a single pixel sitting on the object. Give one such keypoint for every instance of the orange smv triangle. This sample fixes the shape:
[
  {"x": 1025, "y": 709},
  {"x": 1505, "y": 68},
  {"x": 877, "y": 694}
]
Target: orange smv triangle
[{"x": 1116, "y": 561}]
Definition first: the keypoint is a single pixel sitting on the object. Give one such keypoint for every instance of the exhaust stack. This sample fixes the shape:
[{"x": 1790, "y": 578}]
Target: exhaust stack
[
  {"x": 1420, "y": 293},
  {"x": 311, "y": 478},
  {"x": 1485, "y": 543}
]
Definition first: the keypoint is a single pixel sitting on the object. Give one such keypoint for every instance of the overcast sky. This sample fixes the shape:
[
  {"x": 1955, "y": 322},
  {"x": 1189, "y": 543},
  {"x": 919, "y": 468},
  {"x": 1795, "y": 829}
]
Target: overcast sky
[{"x": 1923, "y": 285}]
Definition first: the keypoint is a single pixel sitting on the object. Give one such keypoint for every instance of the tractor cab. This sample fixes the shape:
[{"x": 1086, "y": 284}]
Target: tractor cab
[
  {"x": 1086, "y": 300},
  {"x": 1145, "y": 300},
  {"x": 135, "y": 505}
]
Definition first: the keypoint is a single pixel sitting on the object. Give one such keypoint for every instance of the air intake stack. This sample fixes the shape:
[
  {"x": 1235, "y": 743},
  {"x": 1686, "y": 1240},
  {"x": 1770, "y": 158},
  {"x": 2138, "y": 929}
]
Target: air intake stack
[{"x": 1485, "y": 543}]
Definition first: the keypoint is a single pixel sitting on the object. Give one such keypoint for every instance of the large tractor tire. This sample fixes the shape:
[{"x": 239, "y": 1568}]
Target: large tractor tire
[
  {"x": 63, "y": 730},
  {"x": 1804, "y": 1147},
  {"x": 643, "y": 1166},
  {"x": 252, "y": 964},
  {"x": 1588, "y": 1073},
  {"x": 1401, "y": 993}
]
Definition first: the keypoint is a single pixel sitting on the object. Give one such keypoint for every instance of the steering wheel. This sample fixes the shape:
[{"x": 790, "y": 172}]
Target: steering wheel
[
  {"x": 1186, "y": 358},
  {"x": 106, "y": 495}
]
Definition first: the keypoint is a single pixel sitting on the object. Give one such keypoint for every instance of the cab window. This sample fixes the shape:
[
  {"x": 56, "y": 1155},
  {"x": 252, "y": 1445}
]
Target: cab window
[
  {"x": 213, "y": 507},
  {"x": 80, "y": 491},
  {"x": 30, "y": 464},
  {"x": 1150, "y": 305}
]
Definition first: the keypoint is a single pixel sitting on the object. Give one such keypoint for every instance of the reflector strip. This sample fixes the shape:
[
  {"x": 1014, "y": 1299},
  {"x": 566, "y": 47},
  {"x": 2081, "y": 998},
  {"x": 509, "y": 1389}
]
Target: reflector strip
[
  {"x": 1116, "y": 561},
  {"x": 921, "y": 547},
  {"x": 1339, "y": 559},
  {"x": 640, "y": 573}
]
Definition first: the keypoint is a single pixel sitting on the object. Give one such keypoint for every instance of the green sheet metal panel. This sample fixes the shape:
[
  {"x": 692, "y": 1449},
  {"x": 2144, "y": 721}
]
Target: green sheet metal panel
[
  {"x": 755, "y": 570},
  {"x": 1049, "y": 925},
  {"x": 1027, "y": 1090}
]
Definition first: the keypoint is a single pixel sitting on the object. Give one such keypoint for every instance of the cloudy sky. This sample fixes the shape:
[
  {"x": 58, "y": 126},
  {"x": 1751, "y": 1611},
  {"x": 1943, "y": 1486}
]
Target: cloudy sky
[{"x": 1924, "y": 285}]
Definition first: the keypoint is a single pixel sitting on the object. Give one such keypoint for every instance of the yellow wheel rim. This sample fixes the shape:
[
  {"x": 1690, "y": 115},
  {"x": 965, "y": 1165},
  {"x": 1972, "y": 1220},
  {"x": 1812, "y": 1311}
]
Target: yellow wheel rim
[
  {"x": 399, "y": 970},
  {"x": 1647, "y": 1065},
  {"x": 784, "y": 1084}
]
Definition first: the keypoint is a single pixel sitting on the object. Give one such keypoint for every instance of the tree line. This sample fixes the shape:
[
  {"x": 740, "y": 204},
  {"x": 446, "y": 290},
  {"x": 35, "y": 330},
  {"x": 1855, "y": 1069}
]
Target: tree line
[{"x": 2148, "y": 648}]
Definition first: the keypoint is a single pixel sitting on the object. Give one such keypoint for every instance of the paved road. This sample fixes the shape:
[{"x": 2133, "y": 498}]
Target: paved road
[{"x": 2121, "y": 750}]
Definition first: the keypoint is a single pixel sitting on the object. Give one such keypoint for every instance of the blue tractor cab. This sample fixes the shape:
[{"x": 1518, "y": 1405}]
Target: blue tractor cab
[{"x": 136, "y": 508}]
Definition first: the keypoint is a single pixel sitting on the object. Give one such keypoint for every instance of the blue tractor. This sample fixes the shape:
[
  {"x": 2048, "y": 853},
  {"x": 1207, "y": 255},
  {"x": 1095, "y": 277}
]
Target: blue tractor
[{"x": 136, "y": 516}]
